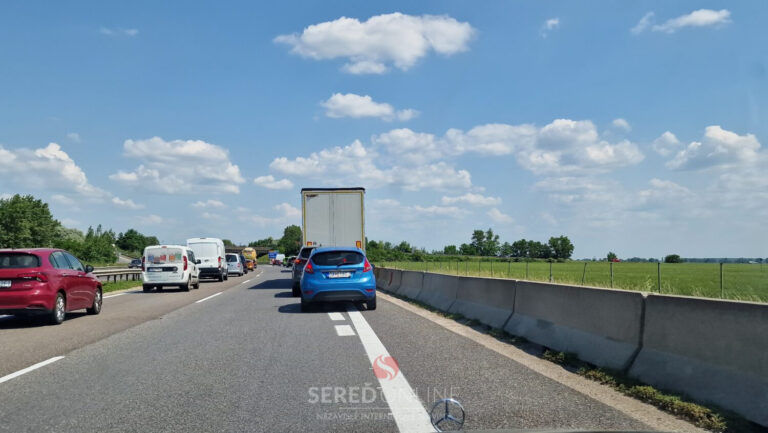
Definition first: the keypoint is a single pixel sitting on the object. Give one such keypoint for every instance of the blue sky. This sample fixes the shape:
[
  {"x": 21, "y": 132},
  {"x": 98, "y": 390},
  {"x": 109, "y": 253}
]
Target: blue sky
[{"x": 631, "y": 127}]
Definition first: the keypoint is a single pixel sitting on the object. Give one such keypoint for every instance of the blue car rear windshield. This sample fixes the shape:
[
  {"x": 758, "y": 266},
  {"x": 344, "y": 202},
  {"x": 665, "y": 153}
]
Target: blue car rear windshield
[
  {"x": 18, "y": 261},
  {"x": 336, "y": 258}
]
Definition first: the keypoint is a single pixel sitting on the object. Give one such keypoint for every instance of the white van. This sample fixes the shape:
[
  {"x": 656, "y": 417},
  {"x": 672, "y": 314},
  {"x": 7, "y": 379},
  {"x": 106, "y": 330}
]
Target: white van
[
  {"x": 169, "y": 265},
  {"x": 212, "y": 256}
]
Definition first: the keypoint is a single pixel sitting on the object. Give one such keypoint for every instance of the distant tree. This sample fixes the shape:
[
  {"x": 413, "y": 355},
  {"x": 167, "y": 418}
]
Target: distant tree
[
  {"x": 520, "y": 248},
  {"x": 268, "y": 242},
  {"x": 491, "y": 244},
  {"x": 227, "y": 243},
  {"x": 561, "y": 247},
  {"x": 26, "y": 222},
  {"x": 611, "y": 256},
  {"x": 478, "y": 241},
  {"x": 290, "y": 243},
  {"x": 467, "y": 250},
  {"x": 404, "y": 247},
  {"x": 450, "y": 250},
  {"x": 538, "y": 250},
  {"x": 673, "y": 258},
  {"x": 506, "y": 249},
  {"x": 99, "y": 246}
]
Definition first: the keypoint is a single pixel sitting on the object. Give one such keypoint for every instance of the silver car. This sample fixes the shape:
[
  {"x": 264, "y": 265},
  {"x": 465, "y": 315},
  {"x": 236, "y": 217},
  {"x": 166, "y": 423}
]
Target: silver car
[
  {"x": 298, "y": 268},
  {"x": 235, "y": 265}
]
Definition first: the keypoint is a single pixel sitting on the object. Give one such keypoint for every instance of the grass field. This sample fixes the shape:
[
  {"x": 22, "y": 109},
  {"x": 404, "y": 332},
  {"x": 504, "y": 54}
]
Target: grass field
[{"x": 746, "y": 282}]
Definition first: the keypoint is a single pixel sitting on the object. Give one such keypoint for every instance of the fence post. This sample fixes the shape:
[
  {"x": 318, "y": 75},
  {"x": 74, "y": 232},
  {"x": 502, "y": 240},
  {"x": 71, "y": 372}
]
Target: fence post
[
  {"x": 550, "y": 271},
  {"x": 526, "y": 269},
  {"x": 478, "y": 267},
  {"x": 611, "y": 274},
  {"x": 658, "y": 274},
  {"x": 491, "y": 268},
  {"x": 509, "y": 269},
  {"x": 721, "y": 280},
  {"x": 584, "y": 274},
  {"x": 466, "y": 268}
]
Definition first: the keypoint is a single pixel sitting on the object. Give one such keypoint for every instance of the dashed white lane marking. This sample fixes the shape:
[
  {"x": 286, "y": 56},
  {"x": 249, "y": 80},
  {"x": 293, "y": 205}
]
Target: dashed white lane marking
[
  {"x": 246, "y": 281},
  {"x": 207, "y": 298},
  {"x": 30, "y": 368},
  {"x": 114, "y": 296},
  {"x": 344, "y": 330},
  {"x": 336, "y": 316},
  {"x": 409, "y": 414}
]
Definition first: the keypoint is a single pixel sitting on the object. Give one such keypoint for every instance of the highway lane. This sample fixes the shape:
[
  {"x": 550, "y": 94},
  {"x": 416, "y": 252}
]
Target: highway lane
[
  {"x": 248, "y": 360},
  {"x": 32, "y": 342}
]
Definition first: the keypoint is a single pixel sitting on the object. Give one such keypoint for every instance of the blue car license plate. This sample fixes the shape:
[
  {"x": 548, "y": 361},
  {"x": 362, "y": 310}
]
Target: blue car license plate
[{"x": 339, "y": 274}]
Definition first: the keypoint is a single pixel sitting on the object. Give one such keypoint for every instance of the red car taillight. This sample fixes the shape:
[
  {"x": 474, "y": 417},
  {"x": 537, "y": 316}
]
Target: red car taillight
[
  {"x": 298, "y": 262},
  {"x": 366, "y": 266},
  {"x": 39, "y": 276},
  {"x": 143, "y": 267},
  {"x": 185, "y": 263},
  {"x": 308, "y": 269},
  {"x": 219, "y": 261}
]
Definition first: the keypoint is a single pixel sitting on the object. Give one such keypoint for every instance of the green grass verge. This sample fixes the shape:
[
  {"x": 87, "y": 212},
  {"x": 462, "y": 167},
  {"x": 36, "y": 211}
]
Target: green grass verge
[
  {"x": 119, "y": 285},
  {"x": 745, "y": 282}
]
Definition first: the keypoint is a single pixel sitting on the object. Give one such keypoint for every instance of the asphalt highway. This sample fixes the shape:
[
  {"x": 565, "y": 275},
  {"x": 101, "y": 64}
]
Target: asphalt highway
[{"x": 239, "y": 356}]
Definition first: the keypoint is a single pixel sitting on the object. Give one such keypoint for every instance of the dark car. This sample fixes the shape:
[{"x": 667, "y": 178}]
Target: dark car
[
  {"x": 298, "y": 268},
  {"x": 135, "y": 263},
  {"x": 46, "y": 282},
  {"x": 244, "y": 263}
]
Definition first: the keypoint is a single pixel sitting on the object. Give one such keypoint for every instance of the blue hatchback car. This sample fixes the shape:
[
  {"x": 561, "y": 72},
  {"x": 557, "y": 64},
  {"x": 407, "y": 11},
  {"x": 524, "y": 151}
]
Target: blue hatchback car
[{"x": 338, "y": 274}]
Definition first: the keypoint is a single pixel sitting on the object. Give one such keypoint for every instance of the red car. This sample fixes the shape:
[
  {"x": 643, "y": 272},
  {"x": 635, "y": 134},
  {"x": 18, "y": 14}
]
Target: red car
[{"x": 48, "y": 282}]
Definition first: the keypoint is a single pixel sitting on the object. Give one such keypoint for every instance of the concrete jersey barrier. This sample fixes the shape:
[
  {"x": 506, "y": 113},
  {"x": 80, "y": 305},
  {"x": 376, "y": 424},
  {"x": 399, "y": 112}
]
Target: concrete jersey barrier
[
  {"x": 411, "y": 283},
  {"x": 600, "y": 326},
  {"x": 388, "y": 280},
  {"x": 489, "y": 301},
  {"x": 712, "y": 350},
  {"x": 438, "y": 290}
]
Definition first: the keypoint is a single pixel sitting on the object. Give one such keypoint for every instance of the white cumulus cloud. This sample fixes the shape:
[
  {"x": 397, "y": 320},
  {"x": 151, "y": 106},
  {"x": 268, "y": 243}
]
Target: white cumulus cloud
[
  {"x": 48, "y": 168},
  {"x": 180, "y": 166},
  {"x": 665, "y": 144},
  {"x": 270, "y": 182},
  {"x": 499, "y": 217},
  {"x": 208, "y": 204},
  {"x": 718, "y": 147},
  {"x": 356, "y": 164},
  {"x": 357, "y": 106},
  {"x": 472, "y": 199},
  {"x": 382, "y": 41},
  {"x": 118, "y": 31},
  {"x": 549, "y": 25},
  {"x": 621, "y": 124},
  {"x": 697, "y": 18},
  {"x": 126, "y": 204}
]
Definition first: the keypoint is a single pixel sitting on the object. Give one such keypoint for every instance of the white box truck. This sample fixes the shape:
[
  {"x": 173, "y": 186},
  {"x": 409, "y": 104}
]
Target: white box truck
[{"x": 333, "y": 217}]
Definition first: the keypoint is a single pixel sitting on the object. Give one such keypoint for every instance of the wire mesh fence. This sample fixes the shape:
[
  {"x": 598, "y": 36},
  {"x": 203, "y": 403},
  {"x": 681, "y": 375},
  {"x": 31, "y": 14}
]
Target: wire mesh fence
[{"x": 746, "y": 282}]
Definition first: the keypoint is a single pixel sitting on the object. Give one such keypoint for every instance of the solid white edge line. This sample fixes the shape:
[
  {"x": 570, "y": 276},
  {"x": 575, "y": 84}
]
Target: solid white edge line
[
  {"x": 114, "y": 296},
  {"x": 30, "y": 368},
  {"x": 407, "y": 410},
  {"x": 336, "y": 316},
  {"x": 344, "y": 330},
  {"x": 209, "y": 297}
]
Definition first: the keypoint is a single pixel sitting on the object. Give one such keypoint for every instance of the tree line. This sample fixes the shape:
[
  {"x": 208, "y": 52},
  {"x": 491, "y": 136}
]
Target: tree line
[
  {"x": 27, "y": 222},
  {"x": 486, "y": 243}
]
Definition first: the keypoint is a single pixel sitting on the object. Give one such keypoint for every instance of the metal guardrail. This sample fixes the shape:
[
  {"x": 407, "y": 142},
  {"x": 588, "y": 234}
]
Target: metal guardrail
[{"x": 114, "y": 273}]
